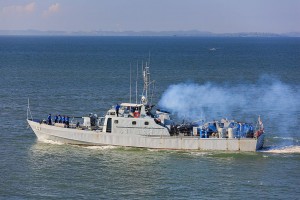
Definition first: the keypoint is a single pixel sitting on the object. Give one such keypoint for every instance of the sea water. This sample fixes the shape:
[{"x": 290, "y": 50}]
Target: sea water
[{"x": 196, "y": 78}]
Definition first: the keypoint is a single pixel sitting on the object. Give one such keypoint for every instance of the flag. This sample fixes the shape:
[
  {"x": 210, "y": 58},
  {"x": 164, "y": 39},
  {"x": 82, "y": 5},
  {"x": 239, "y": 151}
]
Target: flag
[{"x": 261, "y": 125}]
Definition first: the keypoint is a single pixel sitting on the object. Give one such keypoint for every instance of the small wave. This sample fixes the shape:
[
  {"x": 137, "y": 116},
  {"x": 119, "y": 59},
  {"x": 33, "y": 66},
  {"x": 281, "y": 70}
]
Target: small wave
[
  {"x": 286, "y": 150},
  {"x": 87, "y": 147},
  {"x": 284, "y": 138},
  {"x": 154, "y": 150},
  {"x": 198, "y": 153},
  {"x": 50, "y": 142},
  {"x": 164, "y": 150},
  {"x": 100, "y": 147}
]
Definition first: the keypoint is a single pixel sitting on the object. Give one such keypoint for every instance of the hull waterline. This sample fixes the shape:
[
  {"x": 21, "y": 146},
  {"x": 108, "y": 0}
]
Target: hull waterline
[{"x": 90, "y": 137}]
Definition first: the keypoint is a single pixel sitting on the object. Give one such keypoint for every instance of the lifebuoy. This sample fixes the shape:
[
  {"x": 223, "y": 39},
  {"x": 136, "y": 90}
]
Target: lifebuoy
[{"x": 136, "y": 114}]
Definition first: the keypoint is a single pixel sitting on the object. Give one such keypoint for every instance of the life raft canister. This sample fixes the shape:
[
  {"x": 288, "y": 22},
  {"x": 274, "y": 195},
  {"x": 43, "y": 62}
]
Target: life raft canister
[{"x": 136, "y": 114}]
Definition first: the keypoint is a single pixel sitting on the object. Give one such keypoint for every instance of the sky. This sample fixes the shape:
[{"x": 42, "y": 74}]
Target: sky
[{"x": 217, "y": 16}]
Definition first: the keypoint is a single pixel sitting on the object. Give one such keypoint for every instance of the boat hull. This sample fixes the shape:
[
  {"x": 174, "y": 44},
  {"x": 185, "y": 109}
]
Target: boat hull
[{"x": 89, "y": 137}]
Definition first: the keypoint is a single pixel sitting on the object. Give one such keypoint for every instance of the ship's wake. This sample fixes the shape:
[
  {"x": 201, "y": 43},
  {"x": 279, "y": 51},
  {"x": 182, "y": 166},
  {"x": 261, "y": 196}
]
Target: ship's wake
[
  {"x": 84, "y": 146},
  {"x": 50, "y": 142},
  {"x": 292, "y": 149}
]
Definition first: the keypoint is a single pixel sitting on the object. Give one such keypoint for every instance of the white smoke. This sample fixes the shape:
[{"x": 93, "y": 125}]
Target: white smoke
[
  {"x": 269, "y": 97},
  {"x": 192, "y": 101}
]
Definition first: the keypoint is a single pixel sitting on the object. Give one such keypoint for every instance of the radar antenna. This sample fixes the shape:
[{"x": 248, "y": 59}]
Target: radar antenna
[{"x": 146, "y": 77}]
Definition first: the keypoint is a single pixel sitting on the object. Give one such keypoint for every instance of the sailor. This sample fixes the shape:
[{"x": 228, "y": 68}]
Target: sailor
[
  {"x": 59, "y": 119},
  {"x": 64, "y": 119},
  {"x": 67, "y": 121},
  {"x": 56, "y": 119},
  {"x": 251, "y": 128},
  {"x": 49, "y": 119},
  {"x": 132, "y": 109},
  {"x": 117, "y": 109},
  {"x": 240, "y": 127}
]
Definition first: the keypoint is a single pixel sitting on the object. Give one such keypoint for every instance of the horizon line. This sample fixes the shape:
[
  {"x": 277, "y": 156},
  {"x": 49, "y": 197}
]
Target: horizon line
[{"x": 142, "y": 33}]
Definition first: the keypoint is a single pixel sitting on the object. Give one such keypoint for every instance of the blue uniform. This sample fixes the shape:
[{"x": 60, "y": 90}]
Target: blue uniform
[
  {"x": 63, "y": 119},
  {"x": 56, "y": 119},
  {"x": 117, "y": 109},
  {"x": 49, "y": 119},
  {"x": 238, "y": 130},
  {"x": 67, "y": 121}
]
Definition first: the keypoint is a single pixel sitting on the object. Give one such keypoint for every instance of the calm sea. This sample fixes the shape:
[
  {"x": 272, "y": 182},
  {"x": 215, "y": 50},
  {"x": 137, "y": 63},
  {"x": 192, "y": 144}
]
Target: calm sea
[{"x": 213, "y": 77}]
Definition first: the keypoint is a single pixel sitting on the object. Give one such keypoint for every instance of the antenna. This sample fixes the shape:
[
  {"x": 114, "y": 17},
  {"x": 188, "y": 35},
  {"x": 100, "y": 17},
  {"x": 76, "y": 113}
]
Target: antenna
[
  {"x": 143, "y": 76},
  {"x": 146, "y": 76},
  {"x": 28, "y": 111},
  {"x": 130, "y": 84},
  {"x": 149, "y": 58},
  {"x": 152, "y": 91},
  {"x": 136, "y": 81}
]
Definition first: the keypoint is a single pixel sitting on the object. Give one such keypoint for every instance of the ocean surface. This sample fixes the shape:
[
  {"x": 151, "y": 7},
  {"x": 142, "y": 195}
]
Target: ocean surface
[{"x": 195, "y": 78}]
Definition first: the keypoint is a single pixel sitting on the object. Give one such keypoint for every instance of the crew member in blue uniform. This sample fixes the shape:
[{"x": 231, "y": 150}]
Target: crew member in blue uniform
[
  {"x": 64, "y": 119},
  {"x": 59, "y": 119},
  {"x": 49, "y": 119},
  {"x": 67, "y": 121},
  {"x": 117, "y": 109},
  {"x": 238, "y": 130},
  {"x": 56, "y": 119}
]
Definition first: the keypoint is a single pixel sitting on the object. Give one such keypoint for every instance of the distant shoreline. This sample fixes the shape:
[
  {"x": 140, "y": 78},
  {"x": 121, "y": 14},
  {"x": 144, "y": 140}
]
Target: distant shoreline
[{"x": 192, "y": 33}]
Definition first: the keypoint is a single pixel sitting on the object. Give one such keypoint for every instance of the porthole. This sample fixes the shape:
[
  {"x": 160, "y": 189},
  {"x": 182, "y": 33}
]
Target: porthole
[
  {"x": 116, "y": 121},
  {"x": 133, "y": 122},
  {"x": 146, "y": 123}
]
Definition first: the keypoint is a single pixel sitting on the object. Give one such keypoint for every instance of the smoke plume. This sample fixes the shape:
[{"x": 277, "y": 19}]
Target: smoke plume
[{"x": 276, "y": 102}]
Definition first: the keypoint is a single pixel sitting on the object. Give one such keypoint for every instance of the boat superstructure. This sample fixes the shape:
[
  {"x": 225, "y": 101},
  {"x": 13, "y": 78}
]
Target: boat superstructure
[{"x": 138, "y": 125}]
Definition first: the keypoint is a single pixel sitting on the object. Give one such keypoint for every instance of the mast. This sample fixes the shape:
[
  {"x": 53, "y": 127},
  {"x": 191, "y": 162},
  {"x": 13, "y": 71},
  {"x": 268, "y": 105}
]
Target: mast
[
  {"x": 136, "y": 82},
  {"x": 149, "y": 58},
  {"x": 130, "y": 84},
  {"x": 146, "y": 76}
]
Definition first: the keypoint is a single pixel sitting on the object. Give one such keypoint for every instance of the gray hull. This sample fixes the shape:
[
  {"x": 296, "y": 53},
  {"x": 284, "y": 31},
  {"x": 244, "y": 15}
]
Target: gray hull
[{"x": 89, "y": 137}]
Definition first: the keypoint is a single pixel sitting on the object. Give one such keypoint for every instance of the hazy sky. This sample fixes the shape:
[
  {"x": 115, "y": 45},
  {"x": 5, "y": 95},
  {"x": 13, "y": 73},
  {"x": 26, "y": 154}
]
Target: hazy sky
[{"x": 218, "y": 16}]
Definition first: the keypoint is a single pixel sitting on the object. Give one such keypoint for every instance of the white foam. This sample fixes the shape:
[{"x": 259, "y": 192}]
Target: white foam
[
  {"x": 199, "y": 153},
  {"x": 154, "y": 150},
  {"x": 87, "y": 147},
  {"x": 285, "y": 150},
  {"x": 100, "y": 147},
  {"x": 284, "y": 138},
  {"x": 50, "y": 141}
]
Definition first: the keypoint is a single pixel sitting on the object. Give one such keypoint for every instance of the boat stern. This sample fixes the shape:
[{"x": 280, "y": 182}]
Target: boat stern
[{"x": 260, "y": 141}]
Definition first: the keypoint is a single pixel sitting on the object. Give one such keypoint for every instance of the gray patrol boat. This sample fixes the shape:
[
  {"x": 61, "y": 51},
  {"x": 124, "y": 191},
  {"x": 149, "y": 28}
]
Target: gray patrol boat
[{"x": 137, "y": 125}]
